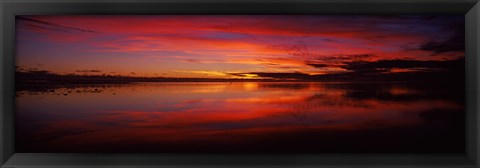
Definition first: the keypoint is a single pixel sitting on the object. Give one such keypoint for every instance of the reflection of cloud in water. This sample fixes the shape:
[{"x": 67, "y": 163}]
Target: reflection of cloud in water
[
  {"x": 269, "y": 100},
  {"x": 283, "y": 86},
  {"x": 212, "y": 88},
  {"x": 182, "y": 112},
  {"x": 398, "y": 91}
]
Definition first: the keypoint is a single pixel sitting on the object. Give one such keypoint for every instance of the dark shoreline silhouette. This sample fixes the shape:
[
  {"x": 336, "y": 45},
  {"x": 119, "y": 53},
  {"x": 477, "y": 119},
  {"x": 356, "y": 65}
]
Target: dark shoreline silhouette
[
  {"x": 45, "y": 77},
  {"x": 447, "y": 74},
  {"x": 44, "y": 81},
  {"x": 452, "y": 71}
]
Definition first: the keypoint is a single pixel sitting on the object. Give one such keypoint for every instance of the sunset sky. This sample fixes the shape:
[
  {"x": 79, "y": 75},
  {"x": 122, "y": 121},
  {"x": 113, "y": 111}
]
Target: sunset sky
[{"x": 237, "y": 46}]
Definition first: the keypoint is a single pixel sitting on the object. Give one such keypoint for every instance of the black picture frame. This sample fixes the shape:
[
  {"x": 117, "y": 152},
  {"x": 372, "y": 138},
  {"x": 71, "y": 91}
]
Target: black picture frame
[{"x": 10, "y": 8}]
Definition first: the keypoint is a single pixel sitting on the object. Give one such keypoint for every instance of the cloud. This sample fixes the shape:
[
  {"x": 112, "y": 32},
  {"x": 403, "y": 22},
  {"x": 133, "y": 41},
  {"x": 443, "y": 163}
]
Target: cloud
[
  {"x": 362, "y": 69},
  {"x": 318, "y": 65},
  {"x": 88, "y": 71},
  {"x": 207, "y": 73},
  {"x": 454, "y": 43},
  {"x": 386, "y": 65},
  {"x": 345, "y": 57},
  {"x": 35, "y": 23},
  {"x": 295, "y": 75},
  {"x": 304, "y": 44}
]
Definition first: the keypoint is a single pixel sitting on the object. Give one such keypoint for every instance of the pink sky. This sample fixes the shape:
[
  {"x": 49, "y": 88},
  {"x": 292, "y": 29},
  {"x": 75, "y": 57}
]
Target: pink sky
[{"x": 219, "y": 46}]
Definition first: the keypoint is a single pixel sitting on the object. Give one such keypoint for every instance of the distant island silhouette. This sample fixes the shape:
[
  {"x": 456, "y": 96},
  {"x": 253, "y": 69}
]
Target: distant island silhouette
[
  {"x": 46, "y": 77},
  {"x": 452, "y": 71}
]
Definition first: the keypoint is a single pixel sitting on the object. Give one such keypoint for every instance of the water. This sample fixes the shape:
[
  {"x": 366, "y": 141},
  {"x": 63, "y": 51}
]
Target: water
[{"x": 251, "y": 117}]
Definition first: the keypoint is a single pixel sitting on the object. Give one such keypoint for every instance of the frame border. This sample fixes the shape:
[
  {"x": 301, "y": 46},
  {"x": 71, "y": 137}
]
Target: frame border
[
  {"x": 472, "y": 54},
  {"x": 10, "y": 8}
]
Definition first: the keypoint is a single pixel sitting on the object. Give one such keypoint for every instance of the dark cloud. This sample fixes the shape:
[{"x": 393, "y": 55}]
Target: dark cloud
[
  {"x": 363, "y": 70},
  {"x": 294, "y": 75},
  {"x": 39, "y": 72},
  {"x": 344, "y": 57},
  {"x": 338, "y": 58},
  {"x": 383, "y": 65},
  {"x": 88, "y": 71},
  {"x": 35, "y": 23},
  {"x": 318, "y": 65},
  {"x": 455, "y": 42}
]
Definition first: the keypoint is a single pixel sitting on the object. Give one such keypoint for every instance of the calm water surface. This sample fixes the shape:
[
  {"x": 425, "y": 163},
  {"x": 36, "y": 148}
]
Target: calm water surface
[{"x": 240, "y": 117}]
